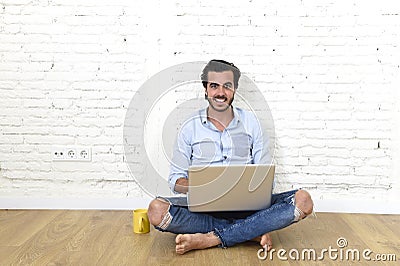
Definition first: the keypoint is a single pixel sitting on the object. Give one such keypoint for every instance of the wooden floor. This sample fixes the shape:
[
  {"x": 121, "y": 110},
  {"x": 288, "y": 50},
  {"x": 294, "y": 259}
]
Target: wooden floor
[{"x": 59, "y": 237}]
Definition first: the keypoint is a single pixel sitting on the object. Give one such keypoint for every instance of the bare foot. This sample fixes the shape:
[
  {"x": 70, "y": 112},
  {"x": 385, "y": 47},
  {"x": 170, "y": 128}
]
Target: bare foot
[
  {"x": 187, "y": 242},
  {"x": 265, "y": 241}
]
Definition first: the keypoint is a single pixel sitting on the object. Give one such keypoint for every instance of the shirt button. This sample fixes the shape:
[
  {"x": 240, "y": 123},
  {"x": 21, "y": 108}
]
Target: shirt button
[{"x": 225, "y": 157}]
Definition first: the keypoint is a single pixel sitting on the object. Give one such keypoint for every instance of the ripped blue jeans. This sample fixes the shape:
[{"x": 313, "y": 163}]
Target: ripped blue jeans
[{"x": 233, "y": 227}]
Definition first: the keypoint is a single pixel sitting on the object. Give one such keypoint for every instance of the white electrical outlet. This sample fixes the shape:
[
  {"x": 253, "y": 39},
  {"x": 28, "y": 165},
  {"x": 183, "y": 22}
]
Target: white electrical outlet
[
  {"x": 84, "y": 154},
  {"x": 72, "y": 153},
  {"x": 58, "y": 154}
]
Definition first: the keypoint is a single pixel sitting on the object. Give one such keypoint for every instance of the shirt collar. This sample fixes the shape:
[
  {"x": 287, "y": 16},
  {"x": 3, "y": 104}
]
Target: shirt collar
[{"x": 233, "y": 123}]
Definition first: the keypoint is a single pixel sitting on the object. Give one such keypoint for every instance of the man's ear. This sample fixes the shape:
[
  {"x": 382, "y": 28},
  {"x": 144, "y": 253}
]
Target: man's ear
[{"x": 205, "y": 94}]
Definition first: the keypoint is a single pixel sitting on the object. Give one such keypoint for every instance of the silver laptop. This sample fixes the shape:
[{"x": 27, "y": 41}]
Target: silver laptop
[{"x": 230, "y": 188}]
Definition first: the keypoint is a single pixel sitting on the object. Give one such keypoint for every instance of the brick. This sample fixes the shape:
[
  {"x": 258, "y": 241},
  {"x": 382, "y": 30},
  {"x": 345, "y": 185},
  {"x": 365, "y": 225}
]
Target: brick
[{"x": 11, "y": 138}]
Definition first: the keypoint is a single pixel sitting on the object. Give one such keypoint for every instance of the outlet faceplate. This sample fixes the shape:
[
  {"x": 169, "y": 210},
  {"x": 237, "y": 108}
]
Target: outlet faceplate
[{"x": 71, "y": 153}]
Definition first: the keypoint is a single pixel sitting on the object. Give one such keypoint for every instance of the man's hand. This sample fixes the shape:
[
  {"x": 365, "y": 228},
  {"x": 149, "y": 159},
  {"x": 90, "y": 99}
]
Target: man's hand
[{"x": 181, "y": 185}]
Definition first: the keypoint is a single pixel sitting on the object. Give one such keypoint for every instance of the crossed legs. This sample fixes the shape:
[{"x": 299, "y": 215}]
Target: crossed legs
[{"x": 159, "y": 209}]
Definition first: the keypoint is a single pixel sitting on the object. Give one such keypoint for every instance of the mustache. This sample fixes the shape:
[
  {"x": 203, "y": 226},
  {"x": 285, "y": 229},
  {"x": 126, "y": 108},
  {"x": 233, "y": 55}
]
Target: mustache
[{"x": 220, "y": 97}]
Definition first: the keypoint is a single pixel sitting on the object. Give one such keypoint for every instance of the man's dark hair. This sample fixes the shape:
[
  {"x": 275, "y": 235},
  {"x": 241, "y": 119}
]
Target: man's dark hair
[{"x": 216, "y": 65}]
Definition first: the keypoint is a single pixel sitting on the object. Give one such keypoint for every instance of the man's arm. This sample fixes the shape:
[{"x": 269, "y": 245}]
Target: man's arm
[
  {"x": 261, "y": 152},
  {"x": 180, "y": 163}
]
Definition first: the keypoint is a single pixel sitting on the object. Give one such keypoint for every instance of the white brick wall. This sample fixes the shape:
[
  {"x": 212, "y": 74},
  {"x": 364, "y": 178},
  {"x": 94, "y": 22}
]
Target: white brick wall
[{"x": 329, "y": 70}]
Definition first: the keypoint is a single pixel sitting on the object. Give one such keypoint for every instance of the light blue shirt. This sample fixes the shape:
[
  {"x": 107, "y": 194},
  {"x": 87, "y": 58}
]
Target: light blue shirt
[{"x": 199, "y": 142}]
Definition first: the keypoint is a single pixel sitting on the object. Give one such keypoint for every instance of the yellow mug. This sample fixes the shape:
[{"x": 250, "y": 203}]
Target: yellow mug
[{"x": 141, "y": 224}]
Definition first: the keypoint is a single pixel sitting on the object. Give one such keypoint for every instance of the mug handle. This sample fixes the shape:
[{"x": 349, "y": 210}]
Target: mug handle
[{"x": 141, "y": 224}]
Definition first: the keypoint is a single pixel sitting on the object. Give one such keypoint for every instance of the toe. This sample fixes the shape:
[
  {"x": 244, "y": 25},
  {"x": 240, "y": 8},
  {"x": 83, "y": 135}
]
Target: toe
[
  {"x": 180, "y": 249},
  {"x": 266, "y": 241},
  {"x": 178, "y": 239}
]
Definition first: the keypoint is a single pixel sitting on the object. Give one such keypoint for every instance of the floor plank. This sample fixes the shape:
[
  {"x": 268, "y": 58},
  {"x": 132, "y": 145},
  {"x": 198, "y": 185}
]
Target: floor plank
[
  {"x": 125, "y": 247},
  {"x": 40, "y": 248},
  {"x": 92, "y": 240},
  {"x": 16, "y": 227},
  {"x": 376, "y": 235}
]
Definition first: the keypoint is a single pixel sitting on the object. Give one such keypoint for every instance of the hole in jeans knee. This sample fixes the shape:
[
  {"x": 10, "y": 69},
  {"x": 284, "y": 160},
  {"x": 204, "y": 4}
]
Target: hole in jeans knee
[
  {"x": 165, "y": 221},
  {"x": 157, "y": 210},
  {"x": 304, "y": 202},
  {"x": 298, "y": 214}
]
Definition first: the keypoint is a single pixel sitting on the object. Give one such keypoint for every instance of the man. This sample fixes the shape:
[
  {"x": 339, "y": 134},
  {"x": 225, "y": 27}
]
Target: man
[{"x": 222, "y": 134}]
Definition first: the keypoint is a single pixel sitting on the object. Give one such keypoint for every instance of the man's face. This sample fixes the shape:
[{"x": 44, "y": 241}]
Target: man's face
[{"x": 220, "y": 90}]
